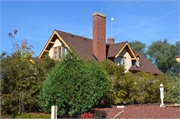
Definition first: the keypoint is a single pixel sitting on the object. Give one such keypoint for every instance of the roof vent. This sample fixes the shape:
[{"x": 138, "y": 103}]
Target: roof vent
[
  {"x": 72, "y": 36},
  {"x": 84, "y": 39}
]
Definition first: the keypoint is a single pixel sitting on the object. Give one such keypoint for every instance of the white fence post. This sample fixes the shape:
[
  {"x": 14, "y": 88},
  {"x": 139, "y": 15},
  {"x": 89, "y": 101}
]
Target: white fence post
[
  {"x": 162, "y": 95},
  {"x": 53, "y": 112}
]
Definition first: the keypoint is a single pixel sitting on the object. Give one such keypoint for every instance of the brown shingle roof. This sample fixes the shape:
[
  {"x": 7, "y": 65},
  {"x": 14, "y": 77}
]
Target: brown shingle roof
[
  {"x": 145, "y": 65},
  {"x": 114, "y": 49},
  {"x": 82, "y": 45}
]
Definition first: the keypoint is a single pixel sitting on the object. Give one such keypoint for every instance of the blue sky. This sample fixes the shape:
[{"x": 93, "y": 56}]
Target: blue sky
[{"x": 145, "y": 21}]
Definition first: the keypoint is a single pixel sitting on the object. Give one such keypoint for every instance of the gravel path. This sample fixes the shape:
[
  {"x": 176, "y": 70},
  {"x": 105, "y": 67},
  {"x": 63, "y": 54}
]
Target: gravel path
[{"x": 142, "y": 111}]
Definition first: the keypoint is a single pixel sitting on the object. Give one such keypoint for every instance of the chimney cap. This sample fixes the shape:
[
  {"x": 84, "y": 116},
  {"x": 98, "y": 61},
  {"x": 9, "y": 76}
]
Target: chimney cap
[
  {"x": 111, "y": 38},
  {"x": 100, "y": 14}
]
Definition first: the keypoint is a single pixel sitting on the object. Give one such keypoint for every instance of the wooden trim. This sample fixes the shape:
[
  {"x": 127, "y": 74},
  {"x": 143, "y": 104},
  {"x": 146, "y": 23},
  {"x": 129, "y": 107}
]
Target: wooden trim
[
  {"x": 138, "y": 55},
  {"x": 120, "y": 50},
  {"x": 172, "y": 105},
  {"x": 126, "y": 63},
  {"x": 46, "y": 50},
  {"x": 127, "y": 44},
  {"x": 133, "y": 58},
  {"x": 49, "y": 41}
]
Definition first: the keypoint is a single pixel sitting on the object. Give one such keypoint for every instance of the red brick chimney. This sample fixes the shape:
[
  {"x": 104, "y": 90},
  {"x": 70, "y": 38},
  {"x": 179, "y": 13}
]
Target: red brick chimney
[
  {"x": 111, "y": 40},
  {"x": 99, "y": 36}
]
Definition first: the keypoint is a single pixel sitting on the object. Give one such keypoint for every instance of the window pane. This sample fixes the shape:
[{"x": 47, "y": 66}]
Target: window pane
[
  {"x": 63, "y": 51},
  {"x": 59, "y": 52},
  {"x": 124, "y": 62},
  {"x": 55, "y": 53},
  {"x": 120, "y": 60}
]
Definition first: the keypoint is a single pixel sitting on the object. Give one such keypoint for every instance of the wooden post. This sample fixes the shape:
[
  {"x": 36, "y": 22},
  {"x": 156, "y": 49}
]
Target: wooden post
[{"x": 53, "y": 112}]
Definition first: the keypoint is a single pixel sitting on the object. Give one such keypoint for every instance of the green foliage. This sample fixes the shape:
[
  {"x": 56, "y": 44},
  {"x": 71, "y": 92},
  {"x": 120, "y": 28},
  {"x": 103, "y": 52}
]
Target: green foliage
[
  {"x": 43, "y": 66},
  {"x": 138, "y": 88},
  {"x": 18, "y": 91},
  {"x": 74, "y": 86},
  {"x": 114, "y": 73},
  {"x": 172, "y": 93},
  {"x": 20, "y": 80},
  {"x": 163, "y": 54},
  {"x": 139, "y": 46}
]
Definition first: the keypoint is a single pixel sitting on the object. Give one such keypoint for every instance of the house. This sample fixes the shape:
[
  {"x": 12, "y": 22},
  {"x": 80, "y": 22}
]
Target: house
[{"x": 97, "y": 49}]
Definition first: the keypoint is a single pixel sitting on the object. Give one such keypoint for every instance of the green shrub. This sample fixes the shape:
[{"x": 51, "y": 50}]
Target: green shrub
[
  {"x": 138, "y": 88},
  {"x": 74, "y": 86},
  {"x": 172, "y": 94},
  {"x": 114, "y": 73}
]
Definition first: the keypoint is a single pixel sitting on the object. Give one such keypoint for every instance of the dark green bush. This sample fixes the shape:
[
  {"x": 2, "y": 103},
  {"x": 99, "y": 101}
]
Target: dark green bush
[{"x": 74, "y": 86}]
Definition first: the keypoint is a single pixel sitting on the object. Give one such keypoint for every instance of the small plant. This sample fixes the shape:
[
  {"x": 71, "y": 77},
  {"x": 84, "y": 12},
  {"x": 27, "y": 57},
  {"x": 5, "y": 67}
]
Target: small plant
[
  {"x": 87, "y": 115},
  {"x": 100, "y": 114}
]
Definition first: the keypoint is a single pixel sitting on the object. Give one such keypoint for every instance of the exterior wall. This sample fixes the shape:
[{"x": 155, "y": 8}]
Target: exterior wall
[
  {"x": 126, "y": 54},
  {"x": 56, "y": 44}
]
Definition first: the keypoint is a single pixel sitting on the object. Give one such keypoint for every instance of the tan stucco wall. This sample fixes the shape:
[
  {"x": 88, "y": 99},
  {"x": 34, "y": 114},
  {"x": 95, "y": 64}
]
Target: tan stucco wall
[
  {"x": 56, "y": 44},
  {"x": 126, "y": 54}
]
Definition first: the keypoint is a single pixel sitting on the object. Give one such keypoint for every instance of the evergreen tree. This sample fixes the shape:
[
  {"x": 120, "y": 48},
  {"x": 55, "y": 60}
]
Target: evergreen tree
[{"x": 74, "y": 86}]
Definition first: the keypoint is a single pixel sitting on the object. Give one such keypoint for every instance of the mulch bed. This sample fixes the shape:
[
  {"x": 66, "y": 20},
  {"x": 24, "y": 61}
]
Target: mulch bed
[{"x": 143, "y": 111}]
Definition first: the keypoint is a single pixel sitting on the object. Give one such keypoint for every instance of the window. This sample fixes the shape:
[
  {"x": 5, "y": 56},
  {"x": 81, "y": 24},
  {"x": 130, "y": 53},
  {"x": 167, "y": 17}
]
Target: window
[
  {"x": 59, "y": 52},
  {"x": 122, "y": 60}
]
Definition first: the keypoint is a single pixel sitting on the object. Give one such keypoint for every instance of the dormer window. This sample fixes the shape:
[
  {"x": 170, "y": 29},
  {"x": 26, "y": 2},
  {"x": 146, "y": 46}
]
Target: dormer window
[
  {"x": 137, "y": 58},
  {"x": 59, "y": 52},
  {"x": 122, "y": 60}
]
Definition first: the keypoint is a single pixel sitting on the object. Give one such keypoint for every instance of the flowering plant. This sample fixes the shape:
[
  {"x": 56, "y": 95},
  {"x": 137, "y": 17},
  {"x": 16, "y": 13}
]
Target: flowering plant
[{"x": 87, "y": 115}]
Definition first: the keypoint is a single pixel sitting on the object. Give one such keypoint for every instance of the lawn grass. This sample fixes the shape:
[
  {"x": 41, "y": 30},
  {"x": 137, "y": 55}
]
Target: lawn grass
[
  {"x": 29, "y": 115},
  {"x": 34, "y": 115}
]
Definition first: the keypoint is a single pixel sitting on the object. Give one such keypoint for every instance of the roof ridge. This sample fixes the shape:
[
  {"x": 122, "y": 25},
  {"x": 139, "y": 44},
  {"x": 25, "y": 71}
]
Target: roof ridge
[{"x": 73, "y": 34}]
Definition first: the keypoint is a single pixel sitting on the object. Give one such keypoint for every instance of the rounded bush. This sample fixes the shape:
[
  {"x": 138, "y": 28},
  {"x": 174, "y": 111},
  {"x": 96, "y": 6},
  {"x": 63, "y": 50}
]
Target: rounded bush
[{"x": 74, "y": 86}]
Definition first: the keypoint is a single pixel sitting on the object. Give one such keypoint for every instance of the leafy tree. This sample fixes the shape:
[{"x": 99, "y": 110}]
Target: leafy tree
[
  {"x": 139, "y": 46},
  {"x": 162, "y": 54},
  {"x": 74, "y": 86},
  {"x": 20, "y": 79},
  {"x": 17, "y": 79}
]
